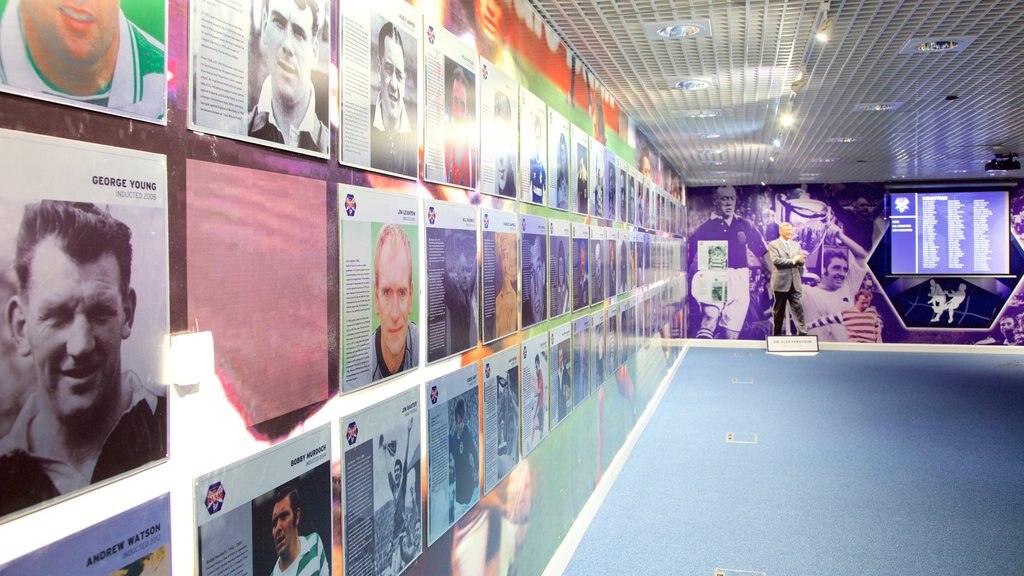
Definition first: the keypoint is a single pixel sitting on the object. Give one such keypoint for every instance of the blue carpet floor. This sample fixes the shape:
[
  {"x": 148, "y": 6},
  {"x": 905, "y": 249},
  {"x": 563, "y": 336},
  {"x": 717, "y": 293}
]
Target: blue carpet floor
[{"x": 865, "y": 463}]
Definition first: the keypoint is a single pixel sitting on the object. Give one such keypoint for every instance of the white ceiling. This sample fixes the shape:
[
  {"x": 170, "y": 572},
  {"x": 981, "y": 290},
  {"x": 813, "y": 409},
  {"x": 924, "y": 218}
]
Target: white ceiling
[{"x": 757, "y": 48}]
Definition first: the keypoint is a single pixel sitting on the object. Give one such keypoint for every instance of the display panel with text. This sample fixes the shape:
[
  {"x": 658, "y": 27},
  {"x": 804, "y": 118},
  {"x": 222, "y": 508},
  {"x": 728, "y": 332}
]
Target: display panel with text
[
  {"x": 963, "y": 233},
  {"x": 379, "y": 44}
]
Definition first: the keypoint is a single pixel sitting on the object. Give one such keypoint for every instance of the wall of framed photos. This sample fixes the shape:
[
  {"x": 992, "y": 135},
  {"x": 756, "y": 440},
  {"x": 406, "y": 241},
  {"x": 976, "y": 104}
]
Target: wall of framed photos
[{"x": 401, "y": 271}]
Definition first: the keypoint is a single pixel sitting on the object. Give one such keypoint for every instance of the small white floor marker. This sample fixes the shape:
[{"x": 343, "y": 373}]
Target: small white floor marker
[{"x": 741, "y": 437}]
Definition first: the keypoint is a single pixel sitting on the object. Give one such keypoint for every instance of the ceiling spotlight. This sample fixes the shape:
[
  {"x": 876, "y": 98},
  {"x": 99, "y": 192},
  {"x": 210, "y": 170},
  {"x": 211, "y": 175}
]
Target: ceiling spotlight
[
  {"x": 936, "y": 46},
  {"x": 712, "y": 135},
  {"x": 692, "y": 84},
  {"x": 704, "y": 114},
  {"x": 824, "y": 33},
  {"x": 798, "y": 84},
  {"x": 877, "y": 106},
  {"x": 787, "y": 119},
  {"x": 777, "y": 142},
  {"x": 1003, "y": 162},
  {"x": 679, "y": 31},
  {"x": 671, "y": 30}
]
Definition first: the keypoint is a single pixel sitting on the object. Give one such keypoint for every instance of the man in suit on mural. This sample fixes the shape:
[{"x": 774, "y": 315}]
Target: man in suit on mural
[{"x": 787, "y": 267}]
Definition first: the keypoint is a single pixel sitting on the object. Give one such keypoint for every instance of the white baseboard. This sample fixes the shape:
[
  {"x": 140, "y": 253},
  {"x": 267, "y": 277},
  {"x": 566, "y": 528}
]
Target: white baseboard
[
  {"x": 563, "y": 554},
  {"x": 864, "y": 347}
]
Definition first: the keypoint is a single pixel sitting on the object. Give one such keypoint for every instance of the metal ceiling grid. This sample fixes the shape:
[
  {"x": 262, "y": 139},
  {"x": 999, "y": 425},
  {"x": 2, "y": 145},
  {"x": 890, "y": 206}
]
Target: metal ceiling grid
[{"x": 759, "y": 47}]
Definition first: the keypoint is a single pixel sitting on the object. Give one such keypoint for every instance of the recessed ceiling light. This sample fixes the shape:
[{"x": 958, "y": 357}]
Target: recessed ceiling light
[
  {"x": 843, "y": 140},
  {"x": 958, "y": 171},
  {"x": 679, "y": 31},
  {"x": 712, "y": 135},
  {"x": 670, "y": 30},
  {"x": 777, "y": 142},
  {"x": 712, "y": 151},
  {"x": 787, "y": 119},
  {"x": 877, "y": 106},
  {"x": 824, "y": 160},
  {"x": 714, "y": 163},
  {"x": 703, "y": 114},
  {"x": 937, "y": 45},
  {"x": 810, "y": 176},
  {"x": 691, "y": 84}
]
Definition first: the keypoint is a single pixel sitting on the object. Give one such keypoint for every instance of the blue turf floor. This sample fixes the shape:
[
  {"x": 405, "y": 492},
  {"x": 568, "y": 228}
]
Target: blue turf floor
[{"x": 865, "y": 463}]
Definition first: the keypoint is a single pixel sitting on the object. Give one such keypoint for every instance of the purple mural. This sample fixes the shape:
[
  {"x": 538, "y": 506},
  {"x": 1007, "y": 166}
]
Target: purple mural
[{"x": 849, "y": 294}]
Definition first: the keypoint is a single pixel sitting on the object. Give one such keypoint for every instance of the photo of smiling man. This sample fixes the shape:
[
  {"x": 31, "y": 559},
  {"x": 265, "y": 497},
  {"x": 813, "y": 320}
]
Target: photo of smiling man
[
  {"x": 87, "y": 54},
  {"x": 393, "y": 143},
  {"x": 88, "y": 419},
  {"x": 84, "y": 317}
]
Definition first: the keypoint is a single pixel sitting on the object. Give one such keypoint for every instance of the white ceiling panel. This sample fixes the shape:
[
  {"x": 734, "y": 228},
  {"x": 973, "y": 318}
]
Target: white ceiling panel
[{"x": 757, "y": 49}]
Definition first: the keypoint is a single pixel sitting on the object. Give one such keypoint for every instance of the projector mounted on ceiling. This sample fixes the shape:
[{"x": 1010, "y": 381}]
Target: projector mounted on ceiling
[{"x": 1003, "y": 162}]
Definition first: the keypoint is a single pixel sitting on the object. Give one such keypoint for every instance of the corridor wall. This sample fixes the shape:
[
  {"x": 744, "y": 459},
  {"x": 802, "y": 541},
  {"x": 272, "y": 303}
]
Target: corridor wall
[{"x": 253, "y": 273}]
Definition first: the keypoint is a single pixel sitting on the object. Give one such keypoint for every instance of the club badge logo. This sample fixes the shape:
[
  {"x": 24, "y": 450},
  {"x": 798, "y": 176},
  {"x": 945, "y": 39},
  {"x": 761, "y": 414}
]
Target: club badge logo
[
  {"x": 902, "y": 204},
  {"x": 434, "y": 394},
  {"x": 352, "y": 434},
  {"x": 485, "y": 71},
  {"x": 487, "y": 221},
  {"x": 350, "y": 205},
  {"x": 430, "y": 34},
  {"x": 431, "y": 215},
  {"x": 215, "y": 496},
  {"x": 487, "y": 370}
]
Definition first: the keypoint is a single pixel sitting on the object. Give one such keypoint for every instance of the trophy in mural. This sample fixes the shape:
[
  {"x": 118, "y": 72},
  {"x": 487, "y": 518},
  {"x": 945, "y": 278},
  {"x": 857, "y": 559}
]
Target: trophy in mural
[{"x": 810, "y": 219}]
